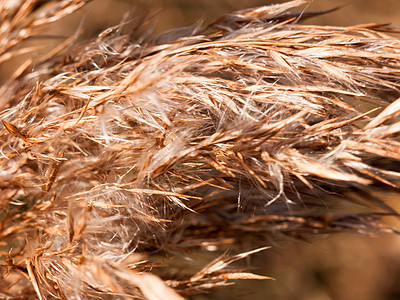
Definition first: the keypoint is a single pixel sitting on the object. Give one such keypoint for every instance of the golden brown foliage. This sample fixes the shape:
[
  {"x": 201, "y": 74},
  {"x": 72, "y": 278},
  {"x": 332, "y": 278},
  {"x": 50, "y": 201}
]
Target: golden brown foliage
[{"x": 251, "y": 127}]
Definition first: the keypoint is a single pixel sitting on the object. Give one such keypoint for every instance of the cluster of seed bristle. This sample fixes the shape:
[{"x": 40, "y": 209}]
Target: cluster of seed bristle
[{"x": 251, "y": 127}]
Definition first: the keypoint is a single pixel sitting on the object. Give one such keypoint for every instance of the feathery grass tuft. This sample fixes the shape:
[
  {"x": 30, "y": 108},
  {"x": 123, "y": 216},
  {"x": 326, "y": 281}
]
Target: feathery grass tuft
[{"x": 253, "y": 127}]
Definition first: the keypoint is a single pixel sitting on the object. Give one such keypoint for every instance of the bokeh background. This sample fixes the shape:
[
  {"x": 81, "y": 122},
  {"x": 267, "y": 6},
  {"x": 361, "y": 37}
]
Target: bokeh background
[
  {"x": 339, "y": 267},
  {"x": 172, "y": 13}
]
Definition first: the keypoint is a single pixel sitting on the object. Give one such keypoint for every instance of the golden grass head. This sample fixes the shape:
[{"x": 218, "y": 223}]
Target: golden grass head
[{"x": 255, "y": 125}]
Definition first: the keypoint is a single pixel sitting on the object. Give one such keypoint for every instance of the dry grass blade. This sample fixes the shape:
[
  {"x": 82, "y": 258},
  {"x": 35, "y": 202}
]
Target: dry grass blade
[
  {"x": 21, "y": 20},
  {"x": 390, "y": 112}
]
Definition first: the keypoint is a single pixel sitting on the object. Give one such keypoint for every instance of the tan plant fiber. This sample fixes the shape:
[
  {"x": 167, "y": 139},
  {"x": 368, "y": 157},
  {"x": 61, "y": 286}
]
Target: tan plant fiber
[{"x": 253, "y": 127}]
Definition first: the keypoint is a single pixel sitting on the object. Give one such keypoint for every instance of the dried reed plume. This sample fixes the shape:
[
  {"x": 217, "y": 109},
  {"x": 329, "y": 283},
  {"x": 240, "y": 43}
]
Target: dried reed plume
[{"x": 115, "y": 154}]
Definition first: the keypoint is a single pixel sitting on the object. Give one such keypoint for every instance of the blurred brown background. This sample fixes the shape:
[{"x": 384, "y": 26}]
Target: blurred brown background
[
  {"x": 173, "y": 13},
  {"x": 341, "y": 267}
]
